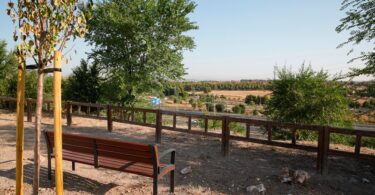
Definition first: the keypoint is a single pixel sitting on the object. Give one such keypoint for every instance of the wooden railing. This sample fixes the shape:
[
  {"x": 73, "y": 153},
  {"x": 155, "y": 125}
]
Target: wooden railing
[{"x": 154, "y": 118}]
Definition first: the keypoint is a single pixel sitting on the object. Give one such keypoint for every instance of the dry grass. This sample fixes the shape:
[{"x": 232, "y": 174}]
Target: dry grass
[{"x": 239, "y": 94}]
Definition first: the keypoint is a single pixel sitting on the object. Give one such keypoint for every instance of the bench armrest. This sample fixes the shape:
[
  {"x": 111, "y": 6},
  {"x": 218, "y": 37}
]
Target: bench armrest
[{"x": 171, "y": 151}]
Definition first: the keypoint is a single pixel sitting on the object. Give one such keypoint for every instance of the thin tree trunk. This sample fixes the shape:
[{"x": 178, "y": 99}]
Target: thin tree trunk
[{"x": 38, "y": 124}]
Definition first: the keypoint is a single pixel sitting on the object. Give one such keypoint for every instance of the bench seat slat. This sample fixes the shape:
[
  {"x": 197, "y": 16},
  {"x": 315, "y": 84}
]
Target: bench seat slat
[
  {"x": 77, "y": 157},
  {"x": 121, "y": 156},
  {"x": 128, "y": 152},
  {"x": 88, "y": 144},
  {"x": 126, "y": 166},
  {"x": 123, "y": 144}
]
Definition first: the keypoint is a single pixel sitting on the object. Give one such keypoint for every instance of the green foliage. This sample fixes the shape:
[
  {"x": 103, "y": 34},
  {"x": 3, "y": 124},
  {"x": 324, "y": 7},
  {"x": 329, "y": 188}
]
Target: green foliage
[
  {"x": 237, "y": 127},
  {"x": 308, "y": 97},
  {"x": 369, "y": 104},
  {"x": 207, "y": 89},
  {"x": 259, "y": 100},
  {"x": 239, "y": 109},
  {"x": 360, "y": 21},
  {"x": 84, "y": 84},
  {"x": 8, "y": 67},
  {"x": 140, "y": 44},
  {"x": 45, "y": 26},
  {"x": 210, "y": 107},
  {"x": 212, "y": 124},
  {"x": 220, "y": 107}
]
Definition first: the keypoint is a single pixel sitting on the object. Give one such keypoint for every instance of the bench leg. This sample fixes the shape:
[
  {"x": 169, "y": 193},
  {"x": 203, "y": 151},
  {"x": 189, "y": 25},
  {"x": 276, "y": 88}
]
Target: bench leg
[
  {"x": 49, "y": 167},
  {"x": 73, "y": 166},
  {"x": 171, "y": 182},
  {"x": 155, "y": 190}
]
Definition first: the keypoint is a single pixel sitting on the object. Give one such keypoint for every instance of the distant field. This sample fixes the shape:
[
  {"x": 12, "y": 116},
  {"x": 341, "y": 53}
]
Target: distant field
[{"x": 238, "y": 94}]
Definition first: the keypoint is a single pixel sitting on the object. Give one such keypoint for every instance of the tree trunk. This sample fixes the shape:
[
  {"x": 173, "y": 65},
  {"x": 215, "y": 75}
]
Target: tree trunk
[{"x": 38, "y": 124}]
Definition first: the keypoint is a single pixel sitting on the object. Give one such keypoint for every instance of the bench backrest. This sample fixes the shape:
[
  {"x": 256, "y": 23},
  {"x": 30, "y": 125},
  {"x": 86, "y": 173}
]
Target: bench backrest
[{"x": 106, "y": 148}]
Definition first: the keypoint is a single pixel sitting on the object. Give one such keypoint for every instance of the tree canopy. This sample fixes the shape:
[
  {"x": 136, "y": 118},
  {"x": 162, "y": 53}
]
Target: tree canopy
[
  {"x": 360, "y": 22},
  {"x": 140, "y": 43},
  {"x": 308, "y": 97},
  {"x": 8, "y": 67},
  {"x": 84, "y": 84}
]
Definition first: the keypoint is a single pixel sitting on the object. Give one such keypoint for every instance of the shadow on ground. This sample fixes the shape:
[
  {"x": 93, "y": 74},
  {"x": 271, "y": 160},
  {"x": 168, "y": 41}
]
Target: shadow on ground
[{"x": 72, "y": 182}]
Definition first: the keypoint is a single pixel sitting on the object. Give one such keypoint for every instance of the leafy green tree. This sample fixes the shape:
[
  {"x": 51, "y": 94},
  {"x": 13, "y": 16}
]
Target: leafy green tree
[
  {"x": 360, "y": 21},
  {"x": 84, "y": 84},
  {"x": 8, "y": 67},
  {"x": 140, "y": 43},
  {"x": 308, "y": 97}
]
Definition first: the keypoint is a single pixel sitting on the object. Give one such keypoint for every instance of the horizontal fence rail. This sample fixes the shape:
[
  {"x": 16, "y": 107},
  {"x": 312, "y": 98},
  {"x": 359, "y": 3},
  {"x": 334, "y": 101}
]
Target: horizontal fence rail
[{"x": 155, "y": 118}]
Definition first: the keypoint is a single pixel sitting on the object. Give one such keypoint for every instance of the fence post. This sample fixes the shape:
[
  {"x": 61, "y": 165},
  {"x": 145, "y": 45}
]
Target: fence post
[
  {"x": 109, "y": 118},
  {"x": 144, "y": 117},
  {"x": 269, "y": 130},
  {"x": 294, "y": 140},
  {"x": 158, "y": 126},
  {"x": 189, "y": 123},
  {"x": 68, "y": 113},
  {"x": 358, "y": 143},
  {"x": 206, "y": 125},
  {"x": 323, "y": 148},
  {"x": 29, "y": 110},
  {"x": 247, "y": 130},
  {"x": 174, "y": 121},
  {"x": 48, "y": 107},
  {"x": 225, "y": 134}
]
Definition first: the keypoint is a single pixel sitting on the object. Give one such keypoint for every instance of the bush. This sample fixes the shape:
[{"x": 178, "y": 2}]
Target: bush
[
  {"x": 256, "y": 112},
  {"x": 209, "y": 107},
  {"x": 239, "y": 109},
  {"x": 220, "y": 107},
  {"x": 207, "y": 89},
  {"x": 309, "y": 97}
]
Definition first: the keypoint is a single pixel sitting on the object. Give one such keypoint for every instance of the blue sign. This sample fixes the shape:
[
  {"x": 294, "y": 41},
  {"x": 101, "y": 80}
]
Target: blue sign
[{"x": 155, "y": 101}]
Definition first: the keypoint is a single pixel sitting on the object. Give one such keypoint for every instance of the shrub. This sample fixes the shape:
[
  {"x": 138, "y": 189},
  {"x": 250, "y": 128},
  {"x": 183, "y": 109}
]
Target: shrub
[
  {"x": 239, "y": 109},
  {"x": 220, "y": 107},
  {"x": 209, "y": 107}
]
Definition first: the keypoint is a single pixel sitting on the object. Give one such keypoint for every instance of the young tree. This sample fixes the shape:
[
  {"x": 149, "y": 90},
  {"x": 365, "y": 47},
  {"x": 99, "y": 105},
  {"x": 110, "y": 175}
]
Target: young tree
[
  {"x": 42, "y": 27},
  {"x": 141, "y": 43},
  {"x": 360, "y": 21},
  {"x": 308, "y": 97}
]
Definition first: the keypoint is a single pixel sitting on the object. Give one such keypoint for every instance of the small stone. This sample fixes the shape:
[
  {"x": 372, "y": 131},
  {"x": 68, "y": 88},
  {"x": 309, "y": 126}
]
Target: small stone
[
  {"x": 186, "y": 170},
  {"x": 365, "y": 180},
  {"x": 286, "y": 180},
  {"x": 353, "y": 180},
  {"x": 301, "y": 176},
  {"x": 259, "y": 188}
]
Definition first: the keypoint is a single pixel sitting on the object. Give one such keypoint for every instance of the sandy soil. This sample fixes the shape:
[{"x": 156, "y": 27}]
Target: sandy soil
[
  {"x": 233, "y": 94},
  {"x": 248, "y": 164}
]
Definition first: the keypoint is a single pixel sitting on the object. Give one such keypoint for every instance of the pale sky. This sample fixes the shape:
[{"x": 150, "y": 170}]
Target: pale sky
[{"x": 243, "y": 39}]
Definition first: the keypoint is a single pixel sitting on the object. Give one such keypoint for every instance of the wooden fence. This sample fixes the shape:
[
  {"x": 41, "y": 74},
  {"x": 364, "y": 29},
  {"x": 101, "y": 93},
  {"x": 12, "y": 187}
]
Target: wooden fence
[{"x": 154, "y": 118}]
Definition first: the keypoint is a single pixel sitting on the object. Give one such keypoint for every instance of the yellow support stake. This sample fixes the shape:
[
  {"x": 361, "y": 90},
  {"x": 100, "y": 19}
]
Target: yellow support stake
[
  {"x": 57, "y": 123},
  {"x": 20, "y": 128}
]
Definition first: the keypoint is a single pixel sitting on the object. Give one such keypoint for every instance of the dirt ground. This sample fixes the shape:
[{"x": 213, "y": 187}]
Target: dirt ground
[
  {"x": 248, "y": 164},
  {"x": 238, "y": 94}
]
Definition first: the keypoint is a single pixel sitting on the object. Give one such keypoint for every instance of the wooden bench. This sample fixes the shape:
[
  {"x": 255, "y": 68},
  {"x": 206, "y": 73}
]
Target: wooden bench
[{"x": 136, "y": 158}]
